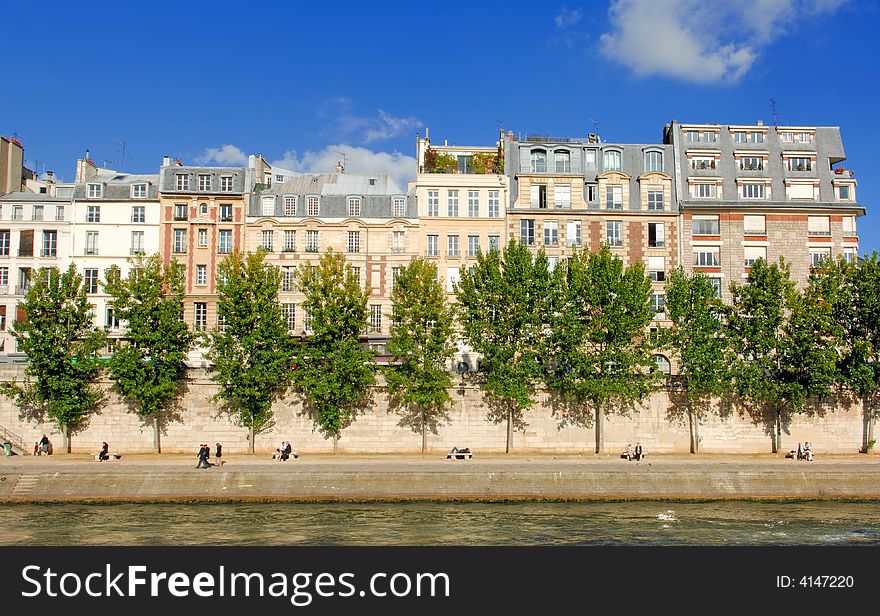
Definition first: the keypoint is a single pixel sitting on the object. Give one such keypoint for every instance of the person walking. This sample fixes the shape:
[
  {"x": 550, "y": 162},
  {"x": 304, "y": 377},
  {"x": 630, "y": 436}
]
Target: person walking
[
  {"x": 44, "y": 445},
  {"x": 204, "y": 452},
  {"x": 218, "y": 455}
]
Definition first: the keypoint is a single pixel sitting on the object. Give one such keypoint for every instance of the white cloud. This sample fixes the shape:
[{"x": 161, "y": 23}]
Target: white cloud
[
  {"x": 389, "y": 126},
  {"x": 567, "y": 18},
  {"x": 224, "y": 155},
  {"x": 700, "y": 40},
  {"x": 357, "y": 159},
  {"x": 345, "y": 123}
]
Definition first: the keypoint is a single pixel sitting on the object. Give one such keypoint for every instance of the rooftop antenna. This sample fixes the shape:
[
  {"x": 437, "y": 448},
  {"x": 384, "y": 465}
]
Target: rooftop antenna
[
  {"x": 122, "y": 158},
  {"x": 773, "y": 110},
  {"x": 342, "y": 154},
  {"x": 17, "y": 135},
  {"x": 595, "y": 124}
]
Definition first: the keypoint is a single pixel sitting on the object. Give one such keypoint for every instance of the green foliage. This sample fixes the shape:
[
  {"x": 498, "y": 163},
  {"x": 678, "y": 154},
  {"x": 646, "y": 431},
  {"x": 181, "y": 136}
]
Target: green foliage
[
  {"x": 602, "y": 354},
  {"x": 61, "y": 343},
  {"x": 148, "y": 369},
  {"x": 486, "y": 162},
  {"x": 436, "y": 162},
  {"x": 503, "y": 304},
  {"x": 251, "y": 352},
  {"x": 334, "y": 371},
  {"x": 420, "y": 345},
  {"x": 697, "y": 336}
]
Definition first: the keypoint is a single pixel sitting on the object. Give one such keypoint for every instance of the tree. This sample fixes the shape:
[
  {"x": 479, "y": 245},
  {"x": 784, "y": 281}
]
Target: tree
[
  {"x": 61, "y": 343},
  {"x": 421, "y": 346},
  {"x": 334, "y": 370},
  {"x": 784, "y": 351},
  {"x": 598, "y": 340},
  {"x": 251, "y": 347},
  {"x": 148, "y": 368},
  {"x": 697, "y": 338},
  {"x": 853, "y": 292},
  {"x": 502, "y": 307}
]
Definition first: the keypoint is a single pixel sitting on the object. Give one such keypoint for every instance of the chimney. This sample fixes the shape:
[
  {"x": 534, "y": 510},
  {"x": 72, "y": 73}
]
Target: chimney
[
  {"x": 50, "y": 177},
  {"x": 166, "y": 161},
  {"x": 339, "y": 167},
  {"x": 760, "y": 122}
]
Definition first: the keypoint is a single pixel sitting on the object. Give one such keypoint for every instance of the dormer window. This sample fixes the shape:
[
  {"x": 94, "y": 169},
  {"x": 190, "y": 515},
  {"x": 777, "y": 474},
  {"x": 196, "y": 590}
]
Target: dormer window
[
  {"x": 562, "y": 161},
  {"x": 138, "y": 191},
  {"x": 653, "y": 161},
  {"x": 744, "y": 136},
  {"x": 539, "y": 161},
  {"x": 354, "y": 206},
  {"x": 95, "y": 191},
  {"x": 226, "y": 183},
  {"x": 612, "y": 160},
  {"x": 372, "y": 181}
]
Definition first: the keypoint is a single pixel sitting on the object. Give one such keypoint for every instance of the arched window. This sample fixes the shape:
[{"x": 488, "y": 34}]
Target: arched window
[
  {"x": 611, "y": 161},
  {"x": 653, "y": 161},
  {"x": 203, "y": 208},
  {"x": 662, "y": 364},
  {"x": 539, "y": 161},
  {"x": 562, "y": 161}
]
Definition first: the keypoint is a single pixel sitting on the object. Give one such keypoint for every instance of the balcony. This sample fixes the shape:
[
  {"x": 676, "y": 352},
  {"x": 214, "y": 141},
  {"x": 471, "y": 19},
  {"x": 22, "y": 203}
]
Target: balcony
[
  {"x": 4, "y": 289},
  {"x": 267, "y": 248},
  {"x": 91, "y": 251},
  {"x": 136, "y": 251},
  {"x": 398, "y": 249},
  {"x": 819, "y": 233},
  {"x": 225, "y": 217},
  {"x": 49, "y": 253},
  {"x": 452, "y": 253},
  {"x": 25, "y": 253},
  {"x": 310, "y": 248},
  {"x": 21, "y": 289},
  {"x": 289, "y": 249}
]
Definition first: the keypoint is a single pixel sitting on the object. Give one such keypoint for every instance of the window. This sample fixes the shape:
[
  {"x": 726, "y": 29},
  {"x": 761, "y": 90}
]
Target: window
[
  {"x": 356, "y": 272},
  {"x": 800, "y": 163},
  {"x": 452, "y": 277},
  {"x": 592, "y": 192},
  {"x": 203, "y": 209},
  {"x": 37, "y": 213},
  {"x": 50, "y": 244},
  {"x": 268, "y": 208},
  {"x": 433, "y": 203},
  {"x": 452, "y": 203},
  {"x": 179, "y": 241},
  {"x": 465, "y": 164},
  {"x": 26, "y": 243},
  {"x": 375, "y": 318},
  {"x": 289, "y": 313},
  {"x": 180, "y": 211},
  {"x": 751, "y": 163},
  {"x": 527, "y": 232},
  {"x": 473, "y": 245},
  {"x": 708, "y": 256},
  {"x": 849, "y": 255},
  {"x": 716, "y": 285},
  {"x": 754, "y": 225},
  {"x": 224, "y": 246},
  {"x": 658, "y": 303},
  {"x": 59, "y": 212},
  {"x": 398, "y": 241},
  {"x": 849, "y": 226},
  {"x": 266, "y": 238},
  {"x": 95, "y": 191},
  {"x": 551, "y": 233},
  {"x": 806, "y": 191},
  {"x": 279, "y": 178},
  {"x": 354, "y": 241},
  {"x": 312, "y": 206},
  {"x": 796, "y": 137},
  {"x": 494, "y": 242},
  {"x": 432, "y": 247},
  {"x": 395, "y": 272},
  {"x": 562, "y": 161},
  {"x": 289, "y": 241},
  {"x": 90, "y": 280},
  {"x": 182, "y": 181},
  {"x": 93, "y": 213},
  {"x": 203, "y": 237},
  {"x": 702, "y": 162},
  {"x": 753, "y": 191},
  {"x": 573, "y": 233},
  {"x": 562, "y": 196},
  {"x": 288, "y": 274},
  {"x": 311, "y": 241},
  {"x": 91, "y": 242},
  {"x": 657, "y": 268},
  {"x": 4, "y": 276},
  {"x": 703, "y": 191},
  {"x": 399, "y": 207},
  {"x": 112, "y": 321},
  {"x": 753, "y": 253},
  {"x": 539, "y": 161},
  {"x": 494, "y": 208},
  {"x": 590, "y": 160},
  {"x": 819, "y": 225},
  {"x": 137, "y": 242},
  {"x": 843, "y": 192},
  {"x": 138, "y": 213},
  {"x": 653, "y": 161},
  {"x": 290, "y": 206},
  {"x": 538, "y": 196},
  {"x": 748, "y": 137},
  {"x": 452, "y": 245},
  {"x": 225, "y": 183},
  {"x": 656, "y": 235},
  {"x": 614, "y": 233},
  {"x": 705, "y": 226},
  {"x": 354, "y": 206},
  {"x": 696, "y": 136},
  {"x": 225, "y": 212},
  {"x": 204, "y": 181},
  {"x": 611, "y": 161},
  {"x": 17, "y": 212},
  {"x": 4, "y": 242},
  {"x": 201, "y": 312},
  {"x": 817, "y": 255},
  {"x": 662, "y": 363},
  {"x": 473, "y": 203},
  {"x": 655, "y": 200},
  {"x": 201, "y": 274},
  {"x": 614, "y": 197}
]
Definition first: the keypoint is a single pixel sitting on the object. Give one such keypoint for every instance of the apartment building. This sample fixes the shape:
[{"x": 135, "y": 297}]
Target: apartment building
[
  {"x": 580, "y": 193},
  {"x": 115, "y": 218},
  {"x": 12, "y": 171},
  {"x": 756, "y": 191},
  {"x": 296, "y": 218},
  {"x": 201, "y": 220},
  {"x": 462, "y": 195}
]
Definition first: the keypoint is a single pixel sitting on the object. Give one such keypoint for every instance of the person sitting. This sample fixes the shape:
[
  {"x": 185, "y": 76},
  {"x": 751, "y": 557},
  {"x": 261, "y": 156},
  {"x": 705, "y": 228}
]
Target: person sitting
[
  {"x": 800, "y": 452},
  {"x": 285, "y": 451},
  {"x": 627, "y": 453},
  {"x": 104, "y": 454},
  {"x": 808, "y": 451},
  {"x": 639, "y": 452}
]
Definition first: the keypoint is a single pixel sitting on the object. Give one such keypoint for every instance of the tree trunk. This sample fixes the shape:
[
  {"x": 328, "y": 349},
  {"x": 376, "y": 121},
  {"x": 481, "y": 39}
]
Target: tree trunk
[
  {"x": 157, "y": 443},
  {"x": 692, "y": 427},
  {"x": 336, "y": 442},
  {"x": 251, "y": 438},
  {"x": 600, "y": 434},
  {"x": 65, "y": 438},
  {"x": 509, "y": 445},
  {"x": 424, "y": 433},
  {"x": 777, "y": 441},
  {"x": 867, "y": 426}
]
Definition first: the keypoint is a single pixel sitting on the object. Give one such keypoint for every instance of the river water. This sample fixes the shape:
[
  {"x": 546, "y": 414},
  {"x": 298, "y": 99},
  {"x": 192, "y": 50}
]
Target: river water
[{"x": 520, "y": 523}]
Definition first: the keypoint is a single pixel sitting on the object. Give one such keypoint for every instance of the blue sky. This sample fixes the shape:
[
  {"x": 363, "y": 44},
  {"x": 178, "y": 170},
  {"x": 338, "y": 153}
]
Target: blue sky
[{"x": 300, "y": 82}]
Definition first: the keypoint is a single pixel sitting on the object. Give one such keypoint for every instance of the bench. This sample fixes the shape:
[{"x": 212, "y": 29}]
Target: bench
[
  {"x": 459, "y": 455},
  {"x": 113, "y": 456}
]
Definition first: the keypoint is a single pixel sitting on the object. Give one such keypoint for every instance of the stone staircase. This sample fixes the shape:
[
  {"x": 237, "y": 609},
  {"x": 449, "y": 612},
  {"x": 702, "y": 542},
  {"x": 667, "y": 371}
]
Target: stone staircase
[{"x": 16, "y": 440}]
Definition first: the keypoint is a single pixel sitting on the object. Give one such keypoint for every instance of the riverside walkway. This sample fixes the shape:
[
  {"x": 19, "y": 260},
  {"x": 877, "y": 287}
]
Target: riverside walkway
[{"x": 491, "y": 477}]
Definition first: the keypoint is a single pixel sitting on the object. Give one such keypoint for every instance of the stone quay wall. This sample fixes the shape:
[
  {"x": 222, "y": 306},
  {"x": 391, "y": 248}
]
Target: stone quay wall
[{"x": 658, "y": 424}]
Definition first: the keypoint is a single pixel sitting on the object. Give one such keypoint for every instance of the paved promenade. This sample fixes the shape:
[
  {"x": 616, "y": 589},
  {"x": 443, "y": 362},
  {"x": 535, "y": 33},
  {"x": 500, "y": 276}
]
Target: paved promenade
[{"x": 173, "y": 477}]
